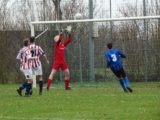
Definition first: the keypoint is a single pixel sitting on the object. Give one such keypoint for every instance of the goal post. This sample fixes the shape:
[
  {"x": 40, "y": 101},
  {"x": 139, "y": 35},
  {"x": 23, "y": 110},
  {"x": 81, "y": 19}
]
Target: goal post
[
  {"x": 90, "y": 20},
  {"x": 86, "y": 21},
  {"x": 32, "y": 29},
  {"x": 95, "y": 20}
]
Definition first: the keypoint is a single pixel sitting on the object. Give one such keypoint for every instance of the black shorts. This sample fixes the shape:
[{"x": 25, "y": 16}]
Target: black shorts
[{"x": 119, "y": 73}]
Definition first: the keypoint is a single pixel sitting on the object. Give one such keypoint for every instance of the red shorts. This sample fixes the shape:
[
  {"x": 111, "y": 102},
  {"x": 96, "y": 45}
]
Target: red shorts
[{"x": 61, "y": 65}]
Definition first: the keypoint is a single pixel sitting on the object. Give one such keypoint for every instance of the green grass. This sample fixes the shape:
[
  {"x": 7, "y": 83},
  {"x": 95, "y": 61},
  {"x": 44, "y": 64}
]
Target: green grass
[{"x": 100, "y": 101}]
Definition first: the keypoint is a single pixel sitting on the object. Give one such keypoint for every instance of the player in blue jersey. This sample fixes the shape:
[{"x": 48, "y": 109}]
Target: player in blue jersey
[{"x": 113, "y": 57}]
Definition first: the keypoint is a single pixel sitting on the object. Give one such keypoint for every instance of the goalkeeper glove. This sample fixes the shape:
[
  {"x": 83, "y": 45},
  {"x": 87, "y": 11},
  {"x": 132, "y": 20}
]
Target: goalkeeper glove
[{"x": 69, "y": 29}]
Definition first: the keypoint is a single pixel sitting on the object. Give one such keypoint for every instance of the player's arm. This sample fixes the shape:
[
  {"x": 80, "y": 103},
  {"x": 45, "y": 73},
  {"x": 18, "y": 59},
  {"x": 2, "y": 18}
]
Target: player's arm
[
  {"x": 68, "y": 29},
  {"x": 60, "y": 36},
  {"x": 19, "y": 56},
  {"x": 67, "y": 40},
  {"x": 41, "y": 52},
  {"x": 122, "y": 54},
  {"x": 45, "y": 58},
  {"x": 108, "y": 60}
]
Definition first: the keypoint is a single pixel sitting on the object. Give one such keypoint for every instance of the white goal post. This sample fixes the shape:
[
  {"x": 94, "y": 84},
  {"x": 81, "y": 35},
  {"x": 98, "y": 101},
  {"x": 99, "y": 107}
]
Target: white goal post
[
  {"x": 87, "y": 20},
  {"x": 91, "y": 20}
]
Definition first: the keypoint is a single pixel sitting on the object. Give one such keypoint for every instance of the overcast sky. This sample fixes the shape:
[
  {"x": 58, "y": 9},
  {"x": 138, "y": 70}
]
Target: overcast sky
[
  {"x": 103, "y": 6},
  {"x": 116, "y": 4}
]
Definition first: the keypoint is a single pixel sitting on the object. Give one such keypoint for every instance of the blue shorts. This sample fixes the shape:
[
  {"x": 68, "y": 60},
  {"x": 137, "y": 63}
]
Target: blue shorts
[{"x": 119, "y": 73}]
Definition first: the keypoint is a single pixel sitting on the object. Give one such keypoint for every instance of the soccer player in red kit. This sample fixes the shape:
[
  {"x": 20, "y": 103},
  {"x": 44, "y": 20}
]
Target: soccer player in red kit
[{"x": 59, "y": 59}]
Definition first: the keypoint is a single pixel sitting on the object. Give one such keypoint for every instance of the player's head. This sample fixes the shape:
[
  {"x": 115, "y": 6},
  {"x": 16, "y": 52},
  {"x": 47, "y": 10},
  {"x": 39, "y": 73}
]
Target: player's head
[
  {"x": 109, "y": 45},
  {"x": 25, "y": 42},
  {"x": 57, "y": 39},
  {"x": 32, "y": 39}
]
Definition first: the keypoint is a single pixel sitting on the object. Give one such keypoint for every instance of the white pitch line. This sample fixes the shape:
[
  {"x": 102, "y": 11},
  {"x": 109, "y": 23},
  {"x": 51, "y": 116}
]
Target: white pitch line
[
  {"x": 25, "y": 118},
  {"x": 35, "y": 118}
]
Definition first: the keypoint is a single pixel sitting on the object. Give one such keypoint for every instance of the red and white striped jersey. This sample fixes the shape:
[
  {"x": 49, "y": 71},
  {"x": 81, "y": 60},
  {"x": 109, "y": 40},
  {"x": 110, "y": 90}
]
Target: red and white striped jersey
[
  {"x": 25, "y": 57},
  {"x": 21, "y": 53},
  {"x": 36, "y": 51}
]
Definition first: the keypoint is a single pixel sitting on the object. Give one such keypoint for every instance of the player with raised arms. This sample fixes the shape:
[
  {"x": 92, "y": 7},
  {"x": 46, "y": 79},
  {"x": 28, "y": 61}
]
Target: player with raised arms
[
  {"x": 59, "y": 58},
  {"x": 113, "y": 57}
]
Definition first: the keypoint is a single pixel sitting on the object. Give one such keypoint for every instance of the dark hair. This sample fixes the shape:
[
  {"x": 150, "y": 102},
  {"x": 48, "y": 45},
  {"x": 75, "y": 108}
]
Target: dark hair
[
  {"x": 109, "y": 45},
  {"x": 25, "y": 42},
  {"x": 32, "y": 39}
]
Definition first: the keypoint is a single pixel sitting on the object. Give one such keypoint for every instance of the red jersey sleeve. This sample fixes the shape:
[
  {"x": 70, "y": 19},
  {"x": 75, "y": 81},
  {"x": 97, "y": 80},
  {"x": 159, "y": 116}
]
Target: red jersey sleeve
[
  {"x": 60, "y": 37},
  {"x": 67, "y": 40}
]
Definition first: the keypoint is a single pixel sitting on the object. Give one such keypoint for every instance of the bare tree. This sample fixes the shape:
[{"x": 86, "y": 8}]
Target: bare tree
[{"x": 58, "y": 12}]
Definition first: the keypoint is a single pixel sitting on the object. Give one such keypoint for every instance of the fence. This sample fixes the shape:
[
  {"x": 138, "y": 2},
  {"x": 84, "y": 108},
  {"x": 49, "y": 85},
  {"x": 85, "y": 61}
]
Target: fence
[{"x": 142, "y": 54}]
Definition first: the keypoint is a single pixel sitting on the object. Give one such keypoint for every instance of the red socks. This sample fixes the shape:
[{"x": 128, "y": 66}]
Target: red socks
[
  {"x": 49, "y": 82},
  {"x": 67, "y": 83}
]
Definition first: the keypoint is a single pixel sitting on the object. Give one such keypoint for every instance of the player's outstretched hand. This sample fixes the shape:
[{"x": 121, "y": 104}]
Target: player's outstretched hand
[
  {"x": 69, "y": 29},
  {"x": 62, "y": 31}
]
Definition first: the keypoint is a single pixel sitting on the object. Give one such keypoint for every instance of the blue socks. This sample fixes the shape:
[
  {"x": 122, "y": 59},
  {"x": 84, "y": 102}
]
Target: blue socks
[
  {"x": 126, "y": 81},
  {"x": 125, "y": 84},
  {"x": 23, "y": 86},
  {"x": 28, "y": 88},
  {"x": 122, "y": 84}
]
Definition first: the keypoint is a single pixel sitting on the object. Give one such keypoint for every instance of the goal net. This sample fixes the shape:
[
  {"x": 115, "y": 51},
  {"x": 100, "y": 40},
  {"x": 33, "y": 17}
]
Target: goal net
[{"x": 138, "y": 37}]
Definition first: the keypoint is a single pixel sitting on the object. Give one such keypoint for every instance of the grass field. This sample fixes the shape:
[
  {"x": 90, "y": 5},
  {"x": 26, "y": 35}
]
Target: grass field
[{"x": 87, "y": 101}]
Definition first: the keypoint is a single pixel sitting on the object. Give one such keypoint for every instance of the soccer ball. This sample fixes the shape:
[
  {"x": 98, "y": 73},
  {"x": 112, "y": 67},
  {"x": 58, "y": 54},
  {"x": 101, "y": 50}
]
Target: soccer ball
[{"x": 78, "y": 16}]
